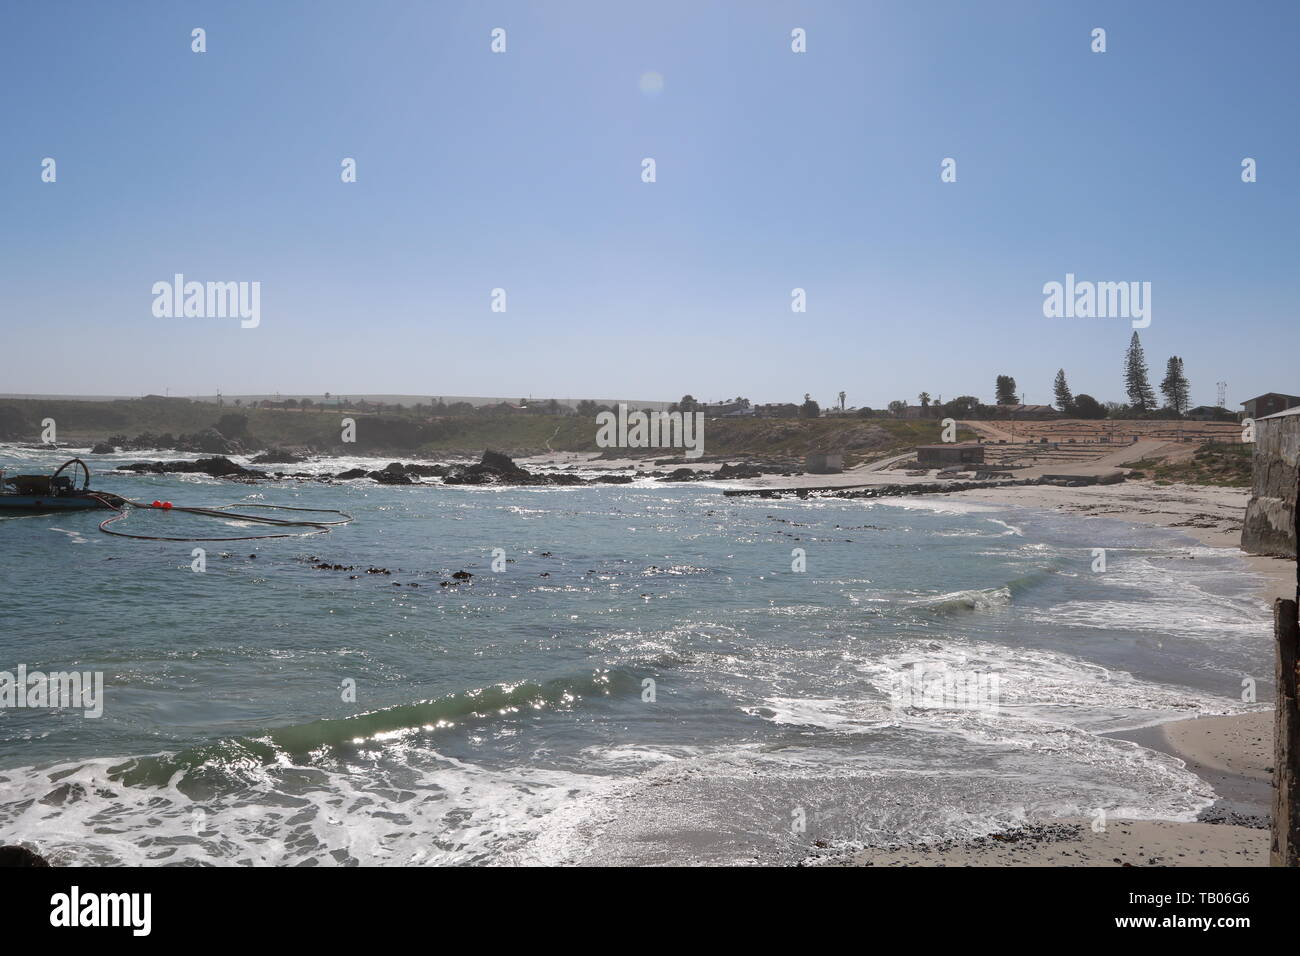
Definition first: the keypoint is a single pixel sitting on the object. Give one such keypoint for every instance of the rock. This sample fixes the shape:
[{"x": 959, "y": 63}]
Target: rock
[
  {"x": 20, "y": 856},
  {"x": 213, "y": 442},
  {"x": 427, "y": 471},
  {"x": 386, "y": 477},
  {"x": 217, "y": 467},
  {"x": 103, "y": 448},
  {"x": 278, "y": 456},
  {"x": 738, "y": 471},
  {"x": 496, "y": 468},
  {"x": 500, "y": 463},
  {"x": 393, "y": 474}
]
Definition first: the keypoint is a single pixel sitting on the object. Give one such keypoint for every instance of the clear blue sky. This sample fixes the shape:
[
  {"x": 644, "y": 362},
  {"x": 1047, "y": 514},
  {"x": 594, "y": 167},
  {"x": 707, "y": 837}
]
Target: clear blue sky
[{"x": 522, "y": 171}]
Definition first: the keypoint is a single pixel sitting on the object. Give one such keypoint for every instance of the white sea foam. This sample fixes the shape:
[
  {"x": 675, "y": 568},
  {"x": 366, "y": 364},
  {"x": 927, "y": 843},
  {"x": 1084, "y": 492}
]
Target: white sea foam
[{"x": 452, "y": 812}]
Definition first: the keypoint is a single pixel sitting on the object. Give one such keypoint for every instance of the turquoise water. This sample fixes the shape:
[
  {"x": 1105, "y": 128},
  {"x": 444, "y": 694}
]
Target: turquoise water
[{"x": 508, "y": 719}]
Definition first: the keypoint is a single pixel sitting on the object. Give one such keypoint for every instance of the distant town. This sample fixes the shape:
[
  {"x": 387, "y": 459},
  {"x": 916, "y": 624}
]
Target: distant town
[{"x": 1008, "y": 403}]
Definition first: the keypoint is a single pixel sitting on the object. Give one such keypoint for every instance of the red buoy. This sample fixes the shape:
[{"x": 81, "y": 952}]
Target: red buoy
[
  {"x": 167, "y": 505},
  {"x": 157, "y": 504}
]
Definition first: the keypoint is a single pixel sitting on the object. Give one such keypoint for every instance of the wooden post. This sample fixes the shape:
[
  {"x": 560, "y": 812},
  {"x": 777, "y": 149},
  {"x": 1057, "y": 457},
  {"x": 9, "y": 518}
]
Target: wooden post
[
  {"x": 1286, "y": 739},
  {"x": 1285, "y": 849}
]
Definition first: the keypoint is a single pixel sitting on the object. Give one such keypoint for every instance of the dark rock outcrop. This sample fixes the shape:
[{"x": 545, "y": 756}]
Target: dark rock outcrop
[
  {"x": 426, "y": 471},
  {"x": 20, "y": 856},
  {"x": 394, "y": 474},
  {"x": 397, "y": 473},
  {"x": 103, "y": 448},
  {"x": 727, "y": 471},
  {"x": 212, "y": 442},
  {"x": 278, "y": 456},
  {"x": 739, "y": 471},
  {"x": 498, "y": 469},
  {"x": 218, "y": 467}
]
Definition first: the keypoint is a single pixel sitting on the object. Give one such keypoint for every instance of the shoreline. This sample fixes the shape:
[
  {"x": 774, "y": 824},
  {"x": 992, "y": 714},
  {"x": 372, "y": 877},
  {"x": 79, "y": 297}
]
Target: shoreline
[
  {"x": 1211, "y": 515},
  {"x": 1232, "y": 754}
]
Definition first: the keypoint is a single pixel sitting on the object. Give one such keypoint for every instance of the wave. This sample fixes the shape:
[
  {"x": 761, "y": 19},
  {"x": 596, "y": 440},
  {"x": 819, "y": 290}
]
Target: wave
[
  {"x": 306, "y": 743},
  {"x": 976, "y": 599},
  {"x": 982, "y": 599}
]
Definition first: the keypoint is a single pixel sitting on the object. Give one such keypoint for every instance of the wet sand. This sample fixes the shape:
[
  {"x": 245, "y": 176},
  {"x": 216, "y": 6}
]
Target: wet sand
[{"x": 1233, "y": 754}]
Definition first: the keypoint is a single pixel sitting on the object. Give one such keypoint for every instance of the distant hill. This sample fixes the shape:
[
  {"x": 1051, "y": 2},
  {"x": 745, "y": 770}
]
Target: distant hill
[
  {"x": 416, "y": 432},
  {"x": 373, "y": 398}
]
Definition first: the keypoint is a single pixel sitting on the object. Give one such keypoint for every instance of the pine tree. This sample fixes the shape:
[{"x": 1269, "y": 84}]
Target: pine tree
[
  {"x": 1006, "y": 390},
  {"x": 1175, "y": 386},
  {"x": 1140, "y": 394},
  {"x": 1064, "y": 397}
]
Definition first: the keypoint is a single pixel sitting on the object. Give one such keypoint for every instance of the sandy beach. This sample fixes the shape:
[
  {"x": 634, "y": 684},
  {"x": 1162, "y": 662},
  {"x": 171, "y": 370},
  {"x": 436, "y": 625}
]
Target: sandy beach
[
  {"x": 1211, "y": 515},
  {"x": 1075, "y": 843},
  {"x": 1233, "y": 754}
]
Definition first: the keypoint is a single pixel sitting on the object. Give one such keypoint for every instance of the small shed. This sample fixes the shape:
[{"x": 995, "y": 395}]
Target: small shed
[
  {"x": 824, "y": 463},
  {"x": 950, "y": 453}
]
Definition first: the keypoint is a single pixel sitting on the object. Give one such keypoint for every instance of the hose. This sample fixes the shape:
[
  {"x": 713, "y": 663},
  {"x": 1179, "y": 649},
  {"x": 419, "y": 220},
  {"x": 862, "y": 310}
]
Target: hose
[{"x": 320, "y": 527}]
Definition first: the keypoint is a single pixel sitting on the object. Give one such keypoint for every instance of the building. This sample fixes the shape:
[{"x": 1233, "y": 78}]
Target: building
[
  {"x": 933, "y": 410},
  {"x": 1270, "y": 403},
  {"x": 1022, "y": 412},
  {"x": 823, "y": 463},
  {"x": 1270, "y": 514},
  {"x": 777, "y": 410},
  {"x": 1210, "y": 413},
  {"x": 725, "y": 409},
  {"x": 950, "y": 453}
]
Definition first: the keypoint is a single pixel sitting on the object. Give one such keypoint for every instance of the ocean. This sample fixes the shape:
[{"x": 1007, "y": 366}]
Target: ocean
[{"x": 647, "y": 678}]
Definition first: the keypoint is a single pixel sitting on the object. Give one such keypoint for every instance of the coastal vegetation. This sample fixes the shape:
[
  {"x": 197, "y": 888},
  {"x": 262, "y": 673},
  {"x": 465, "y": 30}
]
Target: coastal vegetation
[
  {"x": 1224, "y": 465},
  {"x": 156, "y": 422}
]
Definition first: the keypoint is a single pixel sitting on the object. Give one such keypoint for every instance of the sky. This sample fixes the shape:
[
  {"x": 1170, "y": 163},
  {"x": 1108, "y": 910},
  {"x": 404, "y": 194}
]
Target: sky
[{"x": 522, "y": 171}]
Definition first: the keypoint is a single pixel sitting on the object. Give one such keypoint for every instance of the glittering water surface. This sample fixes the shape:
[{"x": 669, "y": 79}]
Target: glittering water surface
[{"x": 647, "y": 681}]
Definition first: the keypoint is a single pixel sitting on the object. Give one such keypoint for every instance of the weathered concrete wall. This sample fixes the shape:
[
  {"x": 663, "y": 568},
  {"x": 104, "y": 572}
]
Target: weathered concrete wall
[{"x": 1270, "y": 514}]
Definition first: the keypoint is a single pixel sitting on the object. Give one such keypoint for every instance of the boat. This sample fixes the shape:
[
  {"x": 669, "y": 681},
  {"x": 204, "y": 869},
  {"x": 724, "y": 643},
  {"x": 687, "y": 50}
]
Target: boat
[{"x": 54, "y": 493}]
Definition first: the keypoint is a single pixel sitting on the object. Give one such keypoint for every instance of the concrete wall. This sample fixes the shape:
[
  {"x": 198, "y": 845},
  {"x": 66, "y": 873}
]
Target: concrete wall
[{"x": 1270, "y": 514}]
